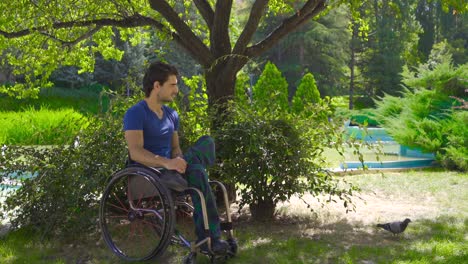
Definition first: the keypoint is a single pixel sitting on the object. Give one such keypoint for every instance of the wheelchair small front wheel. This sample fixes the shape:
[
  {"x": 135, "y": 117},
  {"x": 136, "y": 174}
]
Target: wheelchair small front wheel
[
  {"x": 136, "y": 215},
  {"x": 232, "y": 246},
  {"x": 191, "y": 258}
]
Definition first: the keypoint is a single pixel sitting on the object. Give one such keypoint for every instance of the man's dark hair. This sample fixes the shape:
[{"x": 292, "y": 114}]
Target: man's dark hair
[{"x": 157, "y": 72}]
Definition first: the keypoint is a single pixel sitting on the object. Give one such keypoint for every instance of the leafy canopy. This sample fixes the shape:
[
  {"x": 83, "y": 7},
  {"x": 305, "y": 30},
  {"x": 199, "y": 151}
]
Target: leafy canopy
[{"x": 38, "y": 36}]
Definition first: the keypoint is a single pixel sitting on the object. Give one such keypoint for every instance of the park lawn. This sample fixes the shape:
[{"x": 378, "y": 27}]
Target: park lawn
[{"x": 436, "y": 201}]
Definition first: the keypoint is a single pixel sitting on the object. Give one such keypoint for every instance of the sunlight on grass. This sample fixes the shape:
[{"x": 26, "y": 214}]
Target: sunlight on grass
[
  {"x": 7, "y": 255},
  {"x": 298, "y": 236},
  {"x": 23, "y": 247},
  {"x": 40, "y": 126}
]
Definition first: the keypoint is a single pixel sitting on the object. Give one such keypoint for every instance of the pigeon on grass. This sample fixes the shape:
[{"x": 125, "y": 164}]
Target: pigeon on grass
[{"x": 395, "y": 227}]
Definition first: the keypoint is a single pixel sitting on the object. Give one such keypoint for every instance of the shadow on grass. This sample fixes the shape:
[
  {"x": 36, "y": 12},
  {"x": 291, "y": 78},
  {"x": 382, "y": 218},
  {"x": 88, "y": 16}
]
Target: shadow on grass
[{"x": 443, "y": 240}]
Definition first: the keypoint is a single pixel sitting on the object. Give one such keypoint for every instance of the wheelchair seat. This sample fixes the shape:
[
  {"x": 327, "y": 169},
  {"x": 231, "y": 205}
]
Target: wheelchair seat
[
  {"x": 170, "y": 178},
  {"x": 173, "y": 180}
]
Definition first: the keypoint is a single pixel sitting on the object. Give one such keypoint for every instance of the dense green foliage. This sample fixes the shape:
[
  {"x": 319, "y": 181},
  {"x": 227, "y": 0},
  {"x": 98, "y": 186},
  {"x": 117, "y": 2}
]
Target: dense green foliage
[
  {"x": 271, "y": 89},
  {"x": 426, "y": 117},
  {"x": 320, "y": 46},
  {"x": 193, "y": 112},
  {"x": 394, "y": 33},
  {"x": 372, "y": 39},
  {"x": 69, "y": 179},
  {"x": 390, "y": 35},
  {"x": 273, "y": 155},
  {"x": 36, "y": 39},
  {"x": 306, "y": 93}
]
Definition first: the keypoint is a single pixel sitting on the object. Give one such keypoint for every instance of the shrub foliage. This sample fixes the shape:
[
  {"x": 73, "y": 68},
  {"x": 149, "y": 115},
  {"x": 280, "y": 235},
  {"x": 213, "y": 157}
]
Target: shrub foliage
[
  {"x": 427, "y": 116},
  {"x": 306, "y": 93},
  {"x": 273, "y": 155},
  {"x": 63, "y": 194},
  {"x": 271, "y": 88}
]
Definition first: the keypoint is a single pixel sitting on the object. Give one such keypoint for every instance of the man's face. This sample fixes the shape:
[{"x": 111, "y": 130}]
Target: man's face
[{"x": 168, "y": 90}]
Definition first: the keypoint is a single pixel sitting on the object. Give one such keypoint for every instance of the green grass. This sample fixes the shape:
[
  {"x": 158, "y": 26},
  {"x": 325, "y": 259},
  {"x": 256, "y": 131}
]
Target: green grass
[
  {"x": 447, "y": 189},
  {"x": 52, "y": 118},
  {"x": 40, "y": 127},
  {"x": 322, "y": 238},
  {"x": 20, "y": 247},
  {"x": 86, "y": 100}
]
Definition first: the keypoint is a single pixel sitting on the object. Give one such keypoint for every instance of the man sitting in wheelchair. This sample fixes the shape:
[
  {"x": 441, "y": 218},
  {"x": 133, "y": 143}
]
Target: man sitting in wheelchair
[{"x": 152, "y": 139}]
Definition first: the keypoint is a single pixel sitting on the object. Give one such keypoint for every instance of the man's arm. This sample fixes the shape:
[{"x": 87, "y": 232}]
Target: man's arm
[
  {"x": 176, "y": 151},
  {"x": 135, "y": 141}
]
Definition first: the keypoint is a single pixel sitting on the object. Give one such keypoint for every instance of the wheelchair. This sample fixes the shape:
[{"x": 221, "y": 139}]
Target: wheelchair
[{"x": 138, "y": 211}]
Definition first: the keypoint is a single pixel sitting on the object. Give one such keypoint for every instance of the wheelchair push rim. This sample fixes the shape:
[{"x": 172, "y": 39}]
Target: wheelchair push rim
[{"x": 136, "y": 215}]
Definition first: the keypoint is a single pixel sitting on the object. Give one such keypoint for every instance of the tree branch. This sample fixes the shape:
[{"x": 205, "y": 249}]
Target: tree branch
[
  {"x": 189, "y": 40},
  {"x": 219, "y": 37},
  {"x": 75, "y": 41},
  {"x": 128, "y": 22},
  {"x": 206, "y": 11},
  {"x": 309, "y": 10},
  {"x": 251, "y": 26}
]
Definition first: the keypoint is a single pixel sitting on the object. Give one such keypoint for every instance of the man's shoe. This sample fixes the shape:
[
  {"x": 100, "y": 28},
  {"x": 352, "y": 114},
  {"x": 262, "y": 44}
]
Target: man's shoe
[{"x": 218, "y": 247}]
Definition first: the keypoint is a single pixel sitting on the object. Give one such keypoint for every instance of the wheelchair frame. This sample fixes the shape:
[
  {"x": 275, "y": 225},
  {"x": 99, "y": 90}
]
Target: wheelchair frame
[{"x": 135, "y": 212}]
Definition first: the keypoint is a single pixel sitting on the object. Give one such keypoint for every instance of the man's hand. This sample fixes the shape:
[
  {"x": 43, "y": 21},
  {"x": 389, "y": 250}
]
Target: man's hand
[{"x": 178, "y": 164}]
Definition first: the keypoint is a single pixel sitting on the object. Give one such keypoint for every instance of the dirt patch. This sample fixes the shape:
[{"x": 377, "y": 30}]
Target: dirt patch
[
  {"x": 331, "y": 222},
  {"x": 371, "y": 208}
]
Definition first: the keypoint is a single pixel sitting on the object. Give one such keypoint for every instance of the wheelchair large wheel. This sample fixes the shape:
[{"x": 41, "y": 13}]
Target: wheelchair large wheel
[{"x": 137, "y": 215}]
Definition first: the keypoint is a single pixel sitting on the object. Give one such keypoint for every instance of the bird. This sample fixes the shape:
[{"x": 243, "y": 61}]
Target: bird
[{"x": 395, "y": 227}]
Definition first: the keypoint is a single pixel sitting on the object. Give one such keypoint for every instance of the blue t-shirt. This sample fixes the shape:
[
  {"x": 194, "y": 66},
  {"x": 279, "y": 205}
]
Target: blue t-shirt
[{"x": 157, "y": 133}]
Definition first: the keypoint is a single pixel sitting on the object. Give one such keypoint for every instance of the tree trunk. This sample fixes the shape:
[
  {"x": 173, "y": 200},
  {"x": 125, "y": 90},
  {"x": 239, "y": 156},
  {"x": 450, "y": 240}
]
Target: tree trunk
[
  {"x": 352, "y": 62},
  {"x": 262, "y": 210},
  {"x": 220, "y": 83}
]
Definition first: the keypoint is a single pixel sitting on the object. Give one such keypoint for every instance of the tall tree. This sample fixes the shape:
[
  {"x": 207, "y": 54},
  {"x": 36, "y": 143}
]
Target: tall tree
[
  {"x": 321, "y": 47},
  {"x": 393, "y": 31},
  {"x": 53, "y": 33}
]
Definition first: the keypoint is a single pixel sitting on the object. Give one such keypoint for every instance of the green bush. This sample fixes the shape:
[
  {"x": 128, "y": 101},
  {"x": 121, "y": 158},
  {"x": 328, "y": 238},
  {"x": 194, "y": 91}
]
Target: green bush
[
  {"x": 273, "y": 155},
  {"x": 364, "y": 117},
  {"x": 361, "y": 102},
  {"x": 193, "y": 113},
  {"x": 425, "y": 117},
  {"x": 455, "y": 153},
  {"x": 307, "y": 92},
  {"x": 271, "y": 89},
  {"x": 40, "y": 127},
  {"x": 63, "y": 197}
]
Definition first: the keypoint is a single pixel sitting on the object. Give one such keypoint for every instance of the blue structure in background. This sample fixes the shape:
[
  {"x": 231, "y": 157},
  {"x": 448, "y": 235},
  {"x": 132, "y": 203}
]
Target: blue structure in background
[
  {"x": 413, "y": 158},
  {"x": 12, "y": 181}
]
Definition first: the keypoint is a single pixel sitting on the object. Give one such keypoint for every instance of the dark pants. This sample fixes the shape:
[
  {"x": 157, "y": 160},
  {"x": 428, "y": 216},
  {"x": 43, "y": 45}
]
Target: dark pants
[{"x": 198, "y": 157}]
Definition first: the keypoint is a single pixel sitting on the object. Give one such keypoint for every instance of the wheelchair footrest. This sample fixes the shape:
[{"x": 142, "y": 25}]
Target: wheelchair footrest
[{"x": 226, "y": 226}]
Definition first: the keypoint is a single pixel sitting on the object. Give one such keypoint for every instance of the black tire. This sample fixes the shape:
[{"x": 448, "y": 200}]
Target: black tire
[
  {"x": 137, "y": 215},
  {"x": 232, "y": 246},
  {"x": 191, "y": 258}
]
